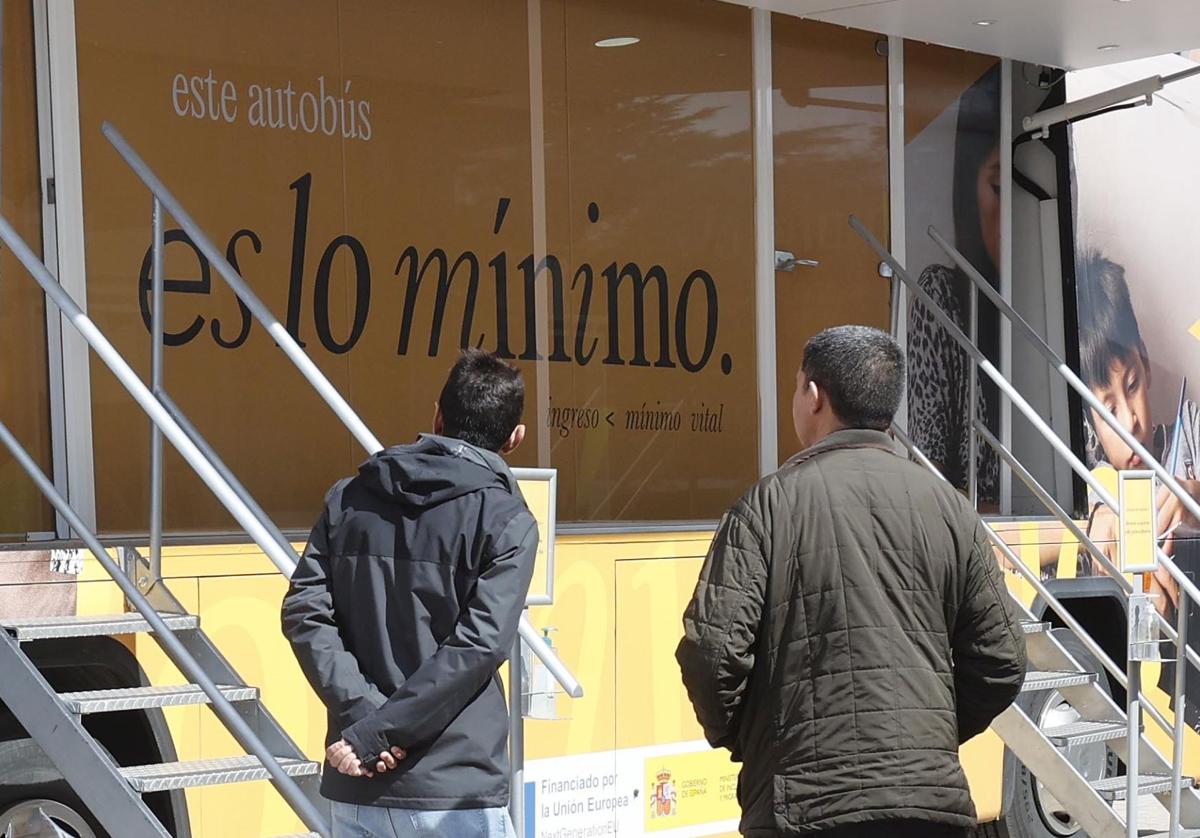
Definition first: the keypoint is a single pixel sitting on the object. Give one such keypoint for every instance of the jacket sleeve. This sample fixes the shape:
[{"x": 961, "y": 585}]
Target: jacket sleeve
[
  {"x": 988, "y": 646},
  {"x": 310, "y": 624},
  {"x": 482, "y": 639},
  {"x": 721, "y": 624}
]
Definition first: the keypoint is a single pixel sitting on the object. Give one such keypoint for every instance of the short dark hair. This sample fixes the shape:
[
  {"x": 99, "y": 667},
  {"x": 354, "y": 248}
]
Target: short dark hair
[
  {"x": 482, "y": 400},
  {"x": 861, "y": 371},
  {"x": 1108, "y": 328}
]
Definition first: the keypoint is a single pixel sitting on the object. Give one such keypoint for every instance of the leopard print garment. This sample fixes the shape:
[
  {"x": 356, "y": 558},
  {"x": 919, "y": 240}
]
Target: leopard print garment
[{"x": 939, "y": 388}]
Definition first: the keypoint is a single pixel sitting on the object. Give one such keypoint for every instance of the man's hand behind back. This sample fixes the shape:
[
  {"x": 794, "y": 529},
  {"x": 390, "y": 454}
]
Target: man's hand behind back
[{"x": 342, "y": 757}]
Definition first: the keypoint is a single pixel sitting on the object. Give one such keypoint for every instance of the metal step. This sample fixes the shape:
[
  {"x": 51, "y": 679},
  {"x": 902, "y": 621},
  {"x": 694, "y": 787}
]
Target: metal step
[
  {"x": 141, "y": 698},
  {"x": 209, "y": 772},
  {"x": 302, "y": 835},
  {"x": 45, "y": 628},
  {"x": 1036, "y": 681},
  {"x": 1034, "y": 627},
  {"x": 1114, "y": 787},
  {"x": 1085, "y": 733}
]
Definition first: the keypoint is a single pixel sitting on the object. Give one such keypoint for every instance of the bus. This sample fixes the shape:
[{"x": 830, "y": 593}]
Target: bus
[{"x": 643, "y": 205}]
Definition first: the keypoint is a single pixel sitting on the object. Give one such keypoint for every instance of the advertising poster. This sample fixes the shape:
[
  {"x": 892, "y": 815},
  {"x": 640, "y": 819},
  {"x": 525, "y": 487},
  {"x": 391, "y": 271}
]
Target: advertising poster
[
  {"x": 685, "y": 790},
  {"x": 1136, "y": 237},
  {"x": 952, "y": 177},
  {"x": 382, "y": 196}
]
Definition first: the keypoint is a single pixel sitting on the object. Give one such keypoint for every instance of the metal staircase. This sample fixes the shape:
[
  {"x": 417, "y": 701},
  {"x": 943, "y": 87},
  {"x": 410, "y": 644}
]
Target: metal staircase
[
  {"x": 114, "y": 792},
  {"x": 1102, "y": 806},
  {"x": 1046, "y": 752}
]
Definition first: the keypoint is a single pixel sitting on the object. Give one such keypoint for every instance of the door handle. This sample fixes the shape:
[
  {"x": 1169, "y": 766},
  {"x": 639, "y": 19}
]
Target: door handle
[{"x": 785, "y": 261}]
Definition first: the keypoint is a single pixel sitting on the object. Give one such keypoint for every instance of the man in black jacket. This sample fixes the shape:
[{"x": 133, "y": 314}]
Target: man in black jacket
[
  {"x": 403, "y": 608},
  {"x": 850, "y": 628}
]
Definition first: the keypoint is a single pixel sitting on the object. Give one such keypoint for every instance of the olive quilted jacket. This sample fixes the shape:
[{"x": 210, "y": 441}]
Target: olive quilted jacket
[{"x": 849, "y": 631}]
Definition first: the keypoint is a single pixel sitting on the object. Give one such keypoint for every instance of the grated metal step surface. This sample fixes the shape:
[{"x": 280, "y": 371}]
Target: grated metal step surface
[
  {"x": 1035, "y": 681},
  {"x": 1085, "y": 733},
  {"x": 1034, "y": 627},
  {"x": 1114, "y": 787},
  {"x": 141, "y": 698},
  {"x": 47, "y": 628},
  {"x": 301, "y": 835},
  {"x": 209, "y": 772}
]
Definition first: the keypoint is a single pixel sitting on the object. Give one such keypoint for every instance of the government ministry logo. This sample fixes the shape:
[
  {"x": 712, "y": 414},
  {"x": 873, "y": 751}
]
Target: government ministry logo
[{"x": 663, "y": 800}]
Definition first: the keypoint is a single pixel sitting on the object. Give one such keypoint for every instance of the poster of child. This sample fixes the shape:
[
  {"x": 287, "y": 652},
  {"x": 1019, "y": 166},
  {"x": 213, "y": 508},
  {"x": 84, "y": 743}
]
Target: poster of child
[
  {"x": 1115, "y": 366},
  {"x": 1136, "y": 235},
  {"x": 1136, "y": 239}
]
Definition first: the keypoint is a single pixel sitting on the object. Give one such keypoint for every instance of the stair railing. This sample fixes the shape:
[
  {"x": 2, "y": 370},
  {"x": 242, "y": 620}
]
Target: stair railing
[
  {"x": 1137, "y": 700},
  {"x": 1039, "y": 587},
  {"x": 162, "y": 419},
  {"x": 163, "y": 199}
]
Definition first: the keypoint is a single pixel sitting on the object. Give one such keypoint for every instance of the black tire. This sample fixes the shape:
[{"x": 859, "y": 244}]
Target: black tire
[
  {"x": 130, "y": 737},
  {"x": 28, "y": 781},
  {"x": 57, "y": 803},
  {"x": 1031, "y": 813}
]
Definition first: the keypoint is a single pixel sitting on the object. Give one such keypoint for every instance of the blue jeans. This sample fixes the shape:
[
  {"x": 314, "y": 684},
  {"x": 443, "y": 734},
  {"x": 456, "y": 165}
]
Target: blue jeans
[{"x": 351, "y": 821}]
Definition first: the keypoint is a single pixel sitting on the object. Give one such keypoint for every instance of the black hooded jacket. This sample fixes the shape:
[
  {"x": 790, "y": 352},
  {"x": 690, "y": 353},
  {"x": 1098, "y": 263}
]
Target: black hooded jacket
[{"x": 402, "y": 610}]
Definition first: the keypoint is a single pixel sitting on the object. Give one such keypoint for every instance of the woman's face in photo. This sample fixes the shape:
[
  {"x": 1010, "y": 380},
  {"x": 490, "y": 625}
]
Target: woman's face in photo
[{"x": 987, "y": 193}]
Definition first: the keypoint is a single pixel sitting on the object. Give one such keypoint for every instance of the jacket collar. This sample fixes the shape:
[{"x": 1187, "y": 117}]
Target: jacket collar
[
  {"x": 849, "y": 438},
  {"x": 471, "y": 453}
]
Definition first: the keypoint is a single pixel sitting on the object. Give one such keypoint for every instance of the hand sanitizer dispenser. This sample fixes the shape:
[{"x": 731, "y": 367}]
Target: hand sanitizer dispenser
[
  {"x": 1143, "y": 628},
  {"x": 542, "y": 690}
]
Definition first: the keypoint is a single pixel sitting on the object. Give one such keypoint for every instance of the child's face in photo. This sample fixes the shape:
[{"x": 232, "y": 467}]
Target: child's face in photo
[{"x": 1127, "y": 395}]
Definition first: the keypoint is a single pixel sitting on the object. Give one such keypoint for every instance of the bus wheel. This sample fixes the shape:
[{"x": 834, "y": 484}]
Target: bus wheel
[
  {"x": 46, "y": 819},
  {"x": 1035, "y": 812}
]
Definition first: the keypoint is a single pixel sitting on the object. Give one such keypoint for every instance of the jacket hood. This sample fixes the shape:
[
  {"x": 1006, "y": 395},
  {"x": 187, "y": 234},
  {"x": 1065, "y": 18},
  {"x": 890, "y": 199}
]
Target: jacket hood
[{"x": 433, "y": 470}]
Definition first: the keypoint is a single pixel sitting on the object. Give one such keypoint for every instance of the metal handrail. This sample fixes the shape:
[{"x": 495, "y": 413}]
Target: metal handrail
[
  {"x": 172, "y": 646},
  {"x": 277, "y": 330},
  {"x": 1187, "y": 589},
  {"x": 1047, "y": 596},
  {"x": 161, "y": 418},
  {"x": 1084, "y": 539},
  {"x": 1085, "y": 393},
  {"x": 1174, "y": 732},
  {"x": 1025, "y": 407}
]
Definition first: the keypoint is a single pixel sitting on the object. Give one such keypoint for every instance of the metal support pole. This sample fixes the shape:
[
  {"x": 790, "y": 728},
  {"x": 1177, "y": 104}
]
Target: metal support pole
[
  {"x": 973, "y": 449},
  {"x": 516, "y": 739},
  {"x": 172, "y": 645},
  {"x": 1133, "y": 711},
  {"x": 764, "y": 239},
  {"x": 1181, "y": 665},
  {"x": 1006, "y": 270},
  {"x": 156, "y": 387}
]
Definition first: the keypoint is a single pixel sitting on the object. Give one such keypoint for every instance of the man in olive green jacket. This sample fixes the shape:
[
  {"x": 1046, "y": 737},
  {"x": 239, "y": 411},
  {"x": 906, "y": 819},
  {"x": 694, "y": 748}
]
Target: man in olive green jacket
[{"x": 850, "y": 628}]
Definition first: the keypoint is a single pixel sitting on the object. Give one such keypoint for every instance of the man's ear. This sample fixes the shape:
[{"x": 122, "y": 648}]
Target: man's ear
[
  {"x": 439, "y": 421},
  {"x": 818, "y": 396},
  {"x": 514, "y": 439}
]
